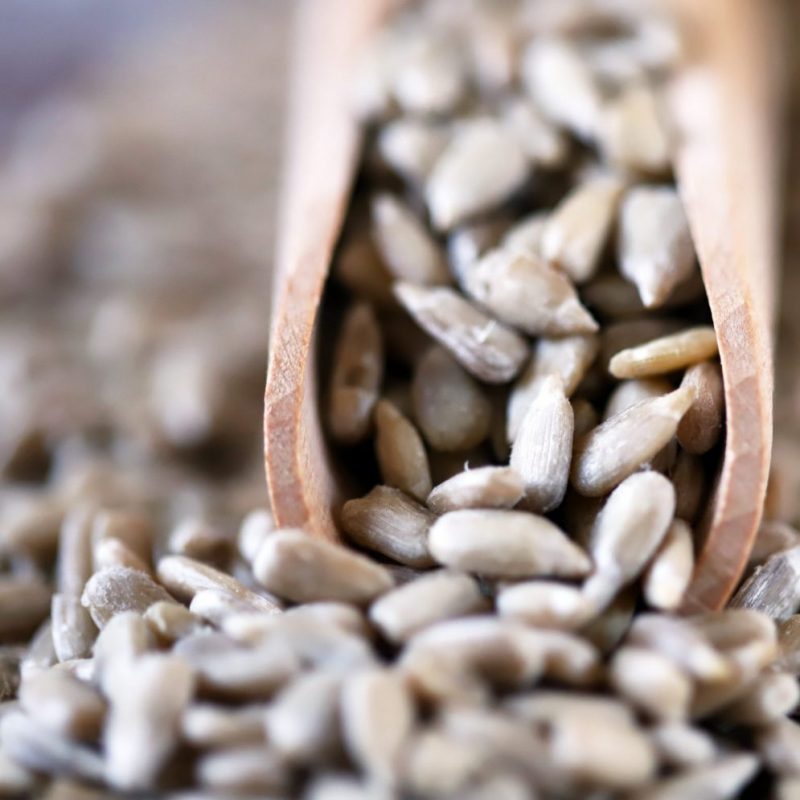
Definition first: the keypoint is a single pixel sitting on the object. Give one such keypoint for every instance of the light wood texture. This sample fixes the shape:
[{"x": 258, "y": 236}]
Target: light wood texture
[{"x": 726, "y": 105}]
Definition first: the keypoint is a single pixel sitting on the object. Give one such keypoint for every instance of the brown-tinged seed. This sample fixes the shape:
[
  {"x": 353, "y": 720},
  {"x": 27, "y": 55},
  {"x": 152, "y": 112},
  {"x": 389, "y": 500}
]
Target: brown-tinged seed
[
  {"x": 170, "y": 621},
  {"x": 135, "y": 530},
  {"x": 436, "y": 764},
  {"x": 111, "y": 552},
  {"x": 701, "y": 426},
  {"x": 688, "y": 475},
  {"x": 505, "y": 544},
  {"x": 360, "y": 268},
  {"x": 667, "y": 354},
  {"x": 197, "y": 538},
  {"x": 484, "y": 487},
  {"x": 625, "y": 442},
  {"x": 24, "y": 604},
  {"x": 585, "y": 416}
]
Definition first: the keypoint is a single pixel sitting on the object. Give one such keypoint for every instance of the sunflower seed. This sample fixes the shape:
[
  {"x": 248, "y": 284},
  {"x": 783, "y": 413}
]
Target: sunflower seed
[
  {"x": 779, "y": 745},
  {"x": 682, "y": 745},
  {"x": 505, "y": 544},
  {"x": 576, "y": 232},
  {"x": 560, "y": 82},
  {"x": 525, "y": 237},
  {"x": 482, "y": 165},
  {"x": 303, "y": 569},
  {"x": 689, "y": 479},
  {"x": 670, "y": 353},
  {"x": 30, "y": 523},
  {"x": 701, "y": 426},
  {"x": 628, "y": 393},
  {"x": 73, "y": 630},
  {"x": 356, "y": 377},
  {"x": 255, "y": 528},
  {"x": 527, "y": 293},
  {"x": 655, "y": 245},
  {"x": 774, "y": 587},
  {"x": 450, "y": 407},
  {"x": 134, "y": 530},
  {"x": 484, "y": 487},
  {"x": 197, "y": 538},
  {"x": 625, "y": 442},
  {"x": 24, "y": 604},
  {"x": 243, "y": 769},
  {"x": 206, "y": 725},
  {"x": 484, "y": 347},
  {"x": 669, "y": 572},
  {"x": 110, "y": 552},
  {"x": 377, "y": 717},
  {"x": 544, "y": 604},
  {"x": 170, "y": 621},
  {"x": 119, "y": 643},
  {"x": 467, "y": 243},
  {"x": 632, "y": 131},
  {"x": 436, "y": 764},
  {"x": 586, "y": 417},
  {"x": 607, "y": 630},
  {"x": 360, "y": 268},
  {"x": 568, "y": 358},
  {"x": 412, "y": 146},
  {"x": 772, "y": 696},
  {"x": 630, "y": 333},
  {"x": 543, "y": 143}
]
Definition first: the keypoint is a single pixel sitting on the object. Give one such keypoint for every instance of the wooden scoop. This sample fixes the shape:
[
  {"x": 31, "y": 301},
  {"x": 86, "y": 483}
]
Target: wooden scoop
[{"x": 725, "y": 103}]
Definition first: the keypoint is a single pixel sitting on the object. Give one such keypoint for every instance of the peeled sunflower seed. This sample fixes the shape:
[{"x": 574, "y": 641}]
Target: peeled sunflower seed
[
  {"x": 655, "y": 245},
  {"x": 391, "y": 523},
  {"x": 243, "y": 770},
  {"x": 628, "y": 393},
  {"x": 632, "y": 132},
  {"x": 111, "y": 552},
  {"x": 450, "y": 407},
  {"x": 484, "y": 487},
  {"x": 135, "y": 530},
  {"x": 527, "y": 293},
  {"x": 401, "y": 454},
  {"x": 304, "y": 569},
  {"x": 667, "y": 354},
  {"x": 117, "y": 589},
  {"x": 481, "y": 166},
  {"x": 486, "y": 348},
  {"x": 356, "y": 377},
  {"x": 670, "y": 571},
  {"x": 255, "y": 527},
  {"x": 412, "y": 146},
  {"x": 435, "y": 597},
  {"x": 569, "y": 358},
  {"x": 576, "y": 232},
  {"x": 542, "y": 450},
  {"x": 779, "y": 745},
  {"x": 467, "y": 243},
  {"x": 774, "y": 587},
  {"x": 545, "y": 604},
  {"x": 701, "y": 426},
  {"x": 505, "y": 544},
  {"x": 170, "y": 621},
  {"x": 771, "y": 697},
  {"x": 525, "y": 237},
  {"x": 627, "y": 532},
  {"x": 405, "y": 245},
  {"x": 560, "y": 82},
  {"x": 625, "y": 442},
  {"x": 360, "y": 268},
  {"x": 544, "y": 144},
  {"x": 682, "y": 745},
  {"x": 207, "y": 725},
  {"x": 120, "y": 642}
]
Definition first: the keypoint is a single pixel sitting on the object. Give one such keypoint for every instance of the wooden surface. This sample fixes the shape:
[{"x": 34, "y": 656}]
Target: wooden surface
[
  {"x": 321, "y": 154},
  {"x": 726, "y": 106}
]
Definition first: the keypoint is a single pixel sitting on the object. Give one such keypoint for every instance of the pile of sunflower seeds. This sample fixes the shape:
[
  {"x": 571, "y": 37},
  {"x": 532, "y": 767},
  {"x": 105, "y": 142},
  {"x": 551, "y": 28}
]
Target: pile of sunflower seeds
[{"x": 162, "y": 638}]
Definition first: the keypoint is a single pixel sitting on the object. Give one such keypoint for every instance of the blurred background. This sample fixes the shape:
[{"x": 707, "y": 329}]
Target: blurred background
[{"x": 139, "y": 153}]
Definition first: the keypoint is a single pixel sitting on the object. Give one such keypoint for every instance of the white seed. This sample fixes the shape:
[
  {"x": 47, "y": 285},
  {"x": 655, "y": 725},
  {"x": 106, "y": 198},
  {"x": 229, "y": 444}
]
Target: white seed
[
  {"x": 122, "y": 641},
  {"x": 543, "y": 143},
  {"x": 670, "y": 571},
  {"x": 304, "y": 569},
  {"x": 482, "y": 165},
  {"x": 243, "y": 770},
  {"x": 667, "y": 354},
  {"x": 628, "y": 393},
  {"x": 436, "y": 764},
  {"x": 655, "y": 245},
  {"x": 255, "y": 527},
  {"x": 525, "y": 236},
  {"x": 527, "y": 293},
  {"x": 405, "y": 245},
  {"x": 412, "y": 146},
  {"x": 171, "y": 621},
  {"x": 545, "y": 604},
  {"x": 625, "y": 442},
  {"x": 73, "y": 630},
  {"x": 207, "y": 725},
  {"x": 779, "y": 745},
  {"x": 391, "y": 523},
  {"x": 505, "y": 544},
  {"x": 432, "y": 598},
  {"x": 682, "y": 745},
  {"x": 484, "y": 487},
  {"x": 542, "y": 450},
  {"x": 489, "y": 350},
  {"x": 771, "y": 697},
  {"x": 578, "y": 229}
]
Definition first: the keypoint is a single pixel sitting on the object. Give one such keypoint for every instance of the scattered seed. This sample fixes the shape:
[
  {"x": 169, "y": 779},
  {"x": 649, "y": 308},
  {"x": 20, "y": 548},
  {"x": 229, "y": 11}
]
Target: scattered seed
[
  {"x": 667, "y": 354},
  {"x": 484, "y": 487}
]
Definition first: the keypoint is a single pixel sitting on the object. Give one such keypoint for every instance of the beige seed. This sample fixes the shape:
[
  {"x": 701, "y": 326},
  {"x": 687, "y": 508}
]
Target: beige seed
[
  {"x": 627, "y": 532},
  {"x": 774, "y": 587},
  {"x": 111, "y": 552},
  {"x": 391, "y": 523},
  {"x": 619, "y": 336},
  {"x": 63, "y": 704},
  {"x": 688, "y": 475},
  {"x": 255, "y": 528},
  {"x": 655, "y": 245},
  {"x": 576, "y": 232},
  {"x": 701, "y": 426},
  {"x": 561, "y": 83},
  {"x": 771, "y": 697},
  {"x": 789, "y": 643},
  {"x": 748, "y": 638},
  {"x": 401, "y": 454},
  {"x": 544, "y": 144},
  {"x": 143, "y": 727},
  {"x": 412, "y": 146},
  {"x": 667, "y": 354},
  {"x": 628, "y": 393},
  {"x": 484, "y": 487},
  {"x": 624, "y": 443},
  {"x": 118, "y": 589},
  {"x": 73, "y": 630},
  {"x": 467, "y": 243},
  {"x": 121, "y": 642},
  {"x": 304, "y": 569},
  {"x": 405, "y": 245},
  {"x": 720, "y": 780},
  {"x": 436, "y": 764},
  {"x": 779, "y": 745},
  {"x": 135, "y": 530},
  {"x": 651, "y": 682},
  {"x": 607, "y": 630},
  {"x": 482, "y": 165},
  {"x": 214, "y": 605},
  {"x": 377, "y": 715},
  {"x": 242, "y": 770},
  {"x": 198, "y": 538},
  {"x": 450, "y": 407},
  {"x": 505, "y": 544},
  {"x": 787, "y": 789},
  {"x": 525, "y": 236},
  {"x": 356, "y": 376},
  {"x": 682, "y": 745},
  {"x": 544, "y": 604},
  {"x": 487, "y": 349},
  {"x": 16, "y": 780},
  {"x": 360, "y": 268},
  {"x": 566, "y": 657},
  {"x": 632, "y": 132},
  {"x": 670, "y": 571},
  {"x": 569, "y": 358},
  {"x": 30, "y": 523},
  {"x": 440, "y": 678},
  {"x": 430, "y": 599},
  {"x": 75, "y": 551},
  {"x": 24, "y": 604},
  {"x": 207, "y": 725},
  {"x": 171, "y": 621},
  {"x": 542, "y": 450},
  {"x": 527, "y": 293}
]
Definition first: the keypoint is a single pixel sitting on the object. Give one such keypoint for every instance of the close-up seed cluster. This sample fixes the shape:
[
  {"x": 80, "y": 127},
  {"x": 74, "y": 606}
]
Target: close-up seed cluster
[{"x": 521, "y": 375}]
